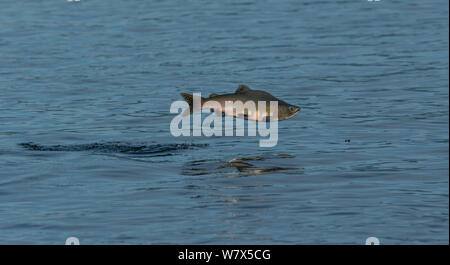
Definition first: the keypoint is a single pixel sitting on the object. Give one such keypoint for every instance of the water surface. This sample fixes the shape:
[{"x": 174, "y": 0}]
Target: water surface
[{"x": 86, "y": 150}]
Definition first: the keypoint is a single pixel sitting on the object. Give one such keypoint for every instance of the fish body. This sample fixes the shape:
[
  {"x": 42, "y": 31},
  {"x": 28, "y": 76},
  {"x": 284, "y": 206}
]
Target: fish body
[{"x": 252, "y": 109}]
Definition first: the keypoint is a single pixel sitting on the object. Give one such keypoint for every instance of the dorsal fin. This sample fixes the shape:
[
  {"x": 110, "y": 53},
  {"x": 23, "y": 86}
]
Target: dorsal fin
[
  {"x": 213, "y": 95},
  {"x": 242, "y": 89}
]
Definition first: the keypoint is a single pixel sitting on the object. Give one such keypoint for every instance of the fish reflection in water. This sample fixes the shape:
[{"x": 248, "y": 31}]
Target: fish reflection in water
[
  {"x": 232, "y": 188},
  {"x": 237, "y": 167}
]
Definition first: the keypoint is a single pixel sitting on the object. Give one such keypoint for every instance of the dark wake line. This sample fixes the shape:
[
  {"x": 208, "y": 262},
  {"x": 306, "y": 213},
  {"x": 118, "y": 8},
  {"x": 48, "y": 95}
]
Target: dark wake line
[{"x": 112, "y": 147}]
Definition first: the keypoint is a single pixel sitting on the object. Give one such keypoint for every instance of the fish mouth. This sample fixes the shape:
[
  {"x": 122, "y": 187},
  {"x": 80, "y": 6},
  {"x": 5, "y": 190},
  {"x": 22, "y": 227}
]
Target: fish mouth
[{"x": 292, "y": 114}]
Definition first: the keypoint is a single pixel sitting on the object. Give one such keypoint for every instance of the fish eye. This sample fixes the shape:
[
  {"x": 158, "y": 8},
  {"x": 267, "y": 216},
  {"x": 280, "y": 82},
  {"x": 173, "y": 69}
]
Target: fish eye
[{"x": 291, "y": 108}]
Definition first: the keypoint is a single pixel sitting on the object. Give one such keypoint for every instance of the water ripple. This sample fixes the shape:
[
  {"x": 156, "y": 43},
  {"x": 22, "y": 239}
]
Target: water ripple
[{"x": 112, "y": 147}]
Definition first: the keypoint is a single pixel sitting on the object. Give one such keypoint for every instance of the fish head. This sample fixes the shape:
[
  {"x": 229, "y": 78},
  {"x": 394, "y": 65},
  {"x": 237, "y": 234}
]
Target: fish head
[{"x": 287, "y": 111}]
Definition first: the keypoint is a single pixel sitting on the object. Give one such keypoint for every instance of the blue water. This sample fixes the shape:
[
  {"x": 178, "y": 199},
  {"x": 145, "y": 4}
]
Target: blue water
[{"x": 86, "y": 150}]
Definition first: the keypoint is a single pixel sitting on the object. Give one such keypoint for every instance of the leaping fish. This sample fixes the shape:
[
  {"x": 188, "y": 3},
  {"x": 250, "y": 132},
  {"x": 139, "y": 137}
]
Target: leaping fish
[{"x": 244, "y": 94}]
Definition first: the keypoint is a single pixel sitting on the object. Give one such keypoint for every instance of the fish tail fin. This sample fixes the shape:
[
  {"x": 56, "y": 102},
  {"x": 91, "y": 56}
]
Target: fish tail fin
[{"x": 190, "y": 100}]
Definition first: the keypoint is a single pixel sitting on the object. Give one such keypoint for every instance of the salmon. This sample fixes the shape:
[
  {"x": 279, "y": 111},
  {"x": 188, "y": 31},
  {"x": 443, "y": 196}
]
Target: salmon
[{"x": 244, "y": 103}]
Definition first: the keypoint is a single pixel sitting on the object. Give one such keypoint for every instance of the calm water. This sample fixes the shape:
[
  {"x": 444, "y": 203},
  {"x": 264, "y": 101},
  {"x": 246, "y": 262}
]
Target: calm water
[{"x": 86, "y": 151}]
